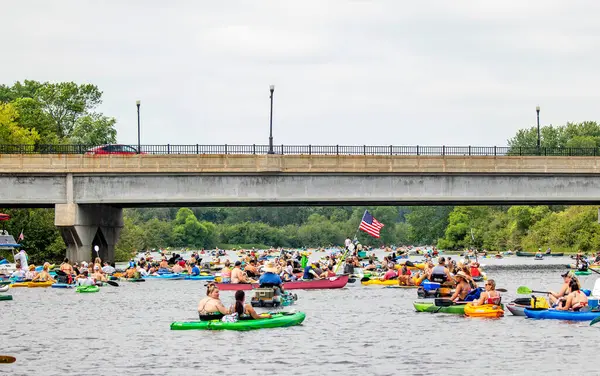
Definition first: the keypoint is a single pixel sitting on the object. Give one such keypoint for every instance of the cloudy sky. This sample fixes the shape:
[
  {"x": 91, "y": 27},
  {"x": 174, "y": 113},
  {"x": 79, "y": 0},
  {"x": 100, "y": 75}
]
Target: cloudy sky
[{"x": 345, "y": 72}]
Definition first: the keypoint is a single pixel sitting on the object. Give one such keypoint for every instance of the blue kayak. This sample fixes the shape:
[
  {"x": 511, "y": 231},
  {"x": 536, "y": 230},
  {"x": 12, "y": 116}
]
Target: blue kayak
[
  {"x": 172, "y": 276},
  {"x": 62, "y": 286},
  {"x": 200, "y": 277},
  {"x": 554, "y": 314}
]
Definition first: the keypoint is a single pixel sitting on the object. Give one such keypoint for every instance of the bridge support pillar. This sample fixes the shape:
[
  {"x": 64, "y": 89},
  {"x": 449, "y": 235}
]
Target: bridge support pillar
[{"x": 84, "y": 226}]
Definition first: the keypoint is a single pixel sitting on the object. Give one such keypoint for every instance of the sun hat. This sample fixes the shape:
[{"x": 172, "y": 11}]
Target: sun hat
[
  {"x": 463, "y": 275},
  {"x": 270, "y": 267}
]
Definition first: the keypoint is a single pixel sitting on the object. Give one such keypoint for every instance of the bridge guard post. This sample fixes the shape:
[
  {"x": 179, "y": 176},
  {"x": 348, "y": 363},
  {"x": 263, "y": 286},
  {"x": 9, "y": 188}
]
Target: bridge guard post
[{"x": 84, "y": 226}]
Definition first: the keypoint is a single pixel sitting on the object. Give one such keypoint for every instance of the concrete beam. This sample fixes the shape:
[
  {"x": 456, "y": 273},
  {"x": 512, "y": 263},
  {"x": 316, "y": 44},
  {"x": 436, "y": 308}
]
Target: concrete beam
[
  {"x": 316, "y": 164},
  {"x": 84, "y": 226}
]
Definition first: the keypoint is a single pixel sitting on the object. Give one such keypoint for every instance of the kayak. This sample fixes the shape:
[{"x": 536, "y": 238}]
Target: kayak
[
  {"x": 456, "y": 309},
  {"x": 561, "y": 315},
  {"x": 325, "y": 283},
  {"x": 517, "y": 309},
  {"x": 401, "y": 287},
  {"x": 170, "y": 276},
  {"x": 278, "y": 320},
  {"x": 62, "y": 286},
  {"x": 486, "y": 310},
  {"x": 32, "y": 284},
  {"x": 389, "y": 282},
  {"x": 200, "y": 277},
  {"x": 86, "y": 289},
  {"x": 583, "y": 272},
  {"x": 4, "y": 288},
  {"x": 5, "y": 297}
]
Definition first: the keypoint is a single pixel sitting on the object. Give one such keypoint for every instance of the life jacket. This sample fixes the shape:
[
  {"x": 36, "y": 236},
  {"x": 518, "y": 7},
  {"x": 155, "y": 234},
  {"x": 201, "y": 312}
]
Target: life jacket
[{"x": 474, "y": 294}]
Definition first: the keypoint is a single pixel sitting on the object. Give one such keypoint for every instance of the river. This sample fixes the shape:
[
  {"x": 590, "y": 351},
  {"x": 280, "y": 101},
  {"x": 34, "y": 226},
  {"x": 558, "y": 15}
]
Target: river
[{"x": 362, "y": 330}]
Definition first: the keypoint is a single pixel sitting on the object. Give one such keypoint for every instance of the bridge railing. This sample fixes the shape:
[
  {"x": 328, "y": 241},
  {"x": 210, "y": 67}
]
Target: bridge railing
[{"x": 313, "y": 149}]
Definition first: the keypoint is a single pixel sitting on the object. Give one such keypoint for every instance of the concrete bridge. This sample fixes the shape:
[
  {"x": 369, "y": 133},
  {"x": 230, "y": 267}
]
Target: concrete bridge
[{"x": 89, "y": 191}]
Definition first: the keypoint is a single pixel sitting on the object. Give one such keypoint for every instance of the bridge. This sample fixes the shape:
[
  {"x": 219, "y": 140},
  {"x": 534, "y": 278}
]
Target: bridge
[{"x": 89, "y": 192}]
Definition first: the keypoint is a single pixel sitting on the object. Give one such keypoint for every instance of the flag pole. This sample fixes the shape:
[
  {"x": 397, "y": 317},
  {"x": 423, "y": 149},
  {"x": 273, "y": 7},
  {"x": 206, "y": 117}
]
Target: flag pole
[{"x": 347, "y": 249}]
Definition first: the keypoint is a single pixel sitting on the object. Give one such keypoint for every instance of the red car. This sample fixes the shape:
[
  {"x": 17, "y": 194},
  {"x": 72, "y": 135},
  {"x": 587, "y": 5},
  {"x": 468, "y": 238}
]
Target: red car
[{"x": 113, "y": 149}]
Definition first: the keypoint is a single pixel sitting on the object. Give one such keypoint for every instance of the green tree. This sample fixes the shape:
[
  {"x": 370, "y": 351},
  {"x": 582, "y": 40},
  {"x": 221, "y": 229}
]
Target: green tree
[
  {"x": 10, "y": 132},
  {"x": 94, "y": 129}
]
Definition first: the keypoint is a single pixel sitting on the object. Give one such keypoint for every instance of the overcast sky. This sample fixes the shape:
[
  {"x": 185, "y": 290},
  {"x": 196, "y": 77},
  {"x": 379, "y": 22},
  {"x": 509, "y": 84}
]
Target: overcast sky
[{"x": 345, "y": 72}]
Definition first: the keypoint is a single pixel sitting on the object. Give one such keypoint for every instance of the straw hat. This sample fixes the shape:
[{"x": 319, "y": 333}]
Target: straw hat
[
  {"x": 270, "y": 267},
  {"x": 463, "y": 275}
]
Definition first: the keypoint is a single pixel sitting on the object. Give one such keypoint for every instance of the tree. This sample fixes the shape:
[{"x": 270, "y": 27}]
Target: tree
[
  {"x": 66, "y": 102},
  {"x": 94, "y": 129},
  {"x": 10, "y": 132}
]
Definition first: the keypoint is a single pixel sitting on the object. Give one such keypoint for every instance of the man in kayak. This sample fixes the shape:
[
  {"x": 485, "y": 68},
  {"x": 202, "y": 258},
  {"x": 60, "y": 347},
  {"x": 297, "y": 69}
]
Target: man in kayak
[
  {"x": 310, "y": 273},
  {"x": 238, "y": 276},
  {"x": 440, "y": 273},
  {"x": 270, "y": 278},
  {"x": 66, "y": 267}
]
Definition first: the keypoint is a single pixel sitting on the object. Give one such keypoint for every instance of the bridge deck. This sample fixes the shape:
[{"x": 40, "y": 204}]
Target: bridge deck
[{"x": 311, "y": 164}]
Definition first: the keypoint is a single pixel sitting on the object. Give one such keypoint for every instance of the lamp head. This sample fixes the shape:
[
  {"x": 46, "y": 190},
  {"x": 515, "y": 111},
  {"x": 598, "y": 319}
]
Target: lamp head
[
  {"x": 537, "y": 108},
  {"x": 272, "y": 88},
  {"x": 138, "y": 102}
]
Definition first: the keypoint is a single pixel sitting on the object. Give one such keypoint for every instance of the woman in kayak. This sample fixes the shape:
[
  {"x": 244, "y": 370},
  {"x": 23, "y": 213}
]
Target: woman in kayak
[
  {"x": 211, "y": 307},
  {"x": 66, "y": 268},
  {"x": 242, "y": 311},
  {"x": 462, "y": 287},
  {"x": 31, "y": 273},
  {"x": 44, "y": 275},
  {"x": 565, "y": 289},
  {"x": 490, "y": 295},
  {"x": 576, "y": 300}
]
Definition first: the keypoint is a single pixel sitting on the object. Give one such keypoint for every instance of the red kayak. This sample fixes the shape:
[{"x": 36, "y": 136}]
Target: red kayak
[{"x": 327, "y": 283}]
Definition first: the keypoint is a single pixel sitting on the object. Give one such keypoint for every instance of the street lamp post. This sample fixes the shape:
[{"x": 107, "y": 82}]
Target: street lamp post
[
  {"x": 137, "y": 103},
  {"x": 272, "y": 89},
  {"x": 537, "y": 110}
]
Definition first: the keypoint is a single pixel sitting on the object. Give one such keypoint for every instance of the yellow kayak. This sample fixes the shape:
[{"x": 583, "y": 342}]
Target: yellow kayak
[
  {"x": 416, "y": 267},
  {"x": 32, "y": 284},
  {"x": 486, "y": 310},
  {"x": 389, "y": 282}
]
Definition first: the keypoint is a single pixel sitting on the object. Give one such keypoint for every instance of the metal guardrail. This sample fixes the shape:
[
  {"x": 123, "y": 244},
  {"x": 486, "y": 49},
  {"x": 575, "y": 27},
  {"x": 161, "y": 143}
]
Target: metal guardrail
[{"x": 314, "y": 149}]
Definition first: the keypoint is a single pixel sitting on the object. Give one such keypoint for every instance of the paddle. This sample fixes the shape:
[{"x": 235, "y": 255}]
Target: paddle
[
  {"x": 112, "y": 283},
  {"x": 594, "y": 321},
  {"x": 365, "y": 279},
  {"x": 351, "y": 280},
  {"x": 523, "y": 290},
  {"x": 7, "y": 359}
]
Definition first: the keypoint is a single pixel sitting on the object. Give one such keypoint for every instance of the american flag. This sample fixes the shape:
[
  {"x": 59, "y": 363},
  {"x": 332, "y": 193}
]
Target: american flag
[{"x": 370, "y": 225}]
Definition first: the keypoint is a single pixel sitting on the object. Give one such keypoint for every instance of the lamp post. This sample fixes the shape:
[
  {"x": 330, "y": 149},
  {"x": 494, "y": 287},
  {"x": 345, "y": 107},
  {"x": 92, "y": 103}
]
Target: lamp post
[
  {"x": 272, "y": 89},
  {"x": 137, "y": 103},
  {"x": 537, "y": 110}
]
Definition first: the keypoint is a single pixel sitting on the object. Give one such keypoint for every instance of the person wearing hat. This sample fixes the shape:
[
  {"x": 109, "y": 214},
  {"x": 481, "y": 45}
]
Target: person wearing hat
[
  {"x": 31, "y": 273},
  {"x": 462, "y": 287},
  {"x": 310, "y": 272},
  {"x": 44, "y": 275},
  {"x": 270, "y": 278},
  {"x": 559, "y": 297}
]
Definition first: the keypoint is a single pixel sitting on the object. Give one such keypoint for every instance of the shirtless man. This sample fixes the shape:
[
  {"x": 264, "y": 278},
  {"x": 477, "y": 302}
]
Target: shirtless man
[{"x": 238, "y": 276}]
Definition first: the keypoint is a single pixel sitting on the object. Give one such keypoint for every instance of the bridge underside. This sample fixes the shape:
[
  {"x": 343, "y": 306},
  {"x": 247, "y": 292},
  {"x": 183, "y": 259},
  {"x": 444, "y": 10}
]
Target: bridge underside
[{"x": 147, "y": 190}]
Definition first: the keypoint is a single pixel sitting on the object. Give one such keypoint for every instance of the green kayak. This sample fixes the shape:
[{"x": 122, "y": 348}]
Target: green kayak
[
  {"x": 583, "y": 272},
  {"x": 87, "y": 289},
  {"x": 278, "y": 320},
  {"x": 5, "y": 297},
  {"x": 421, "y": 306}
]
